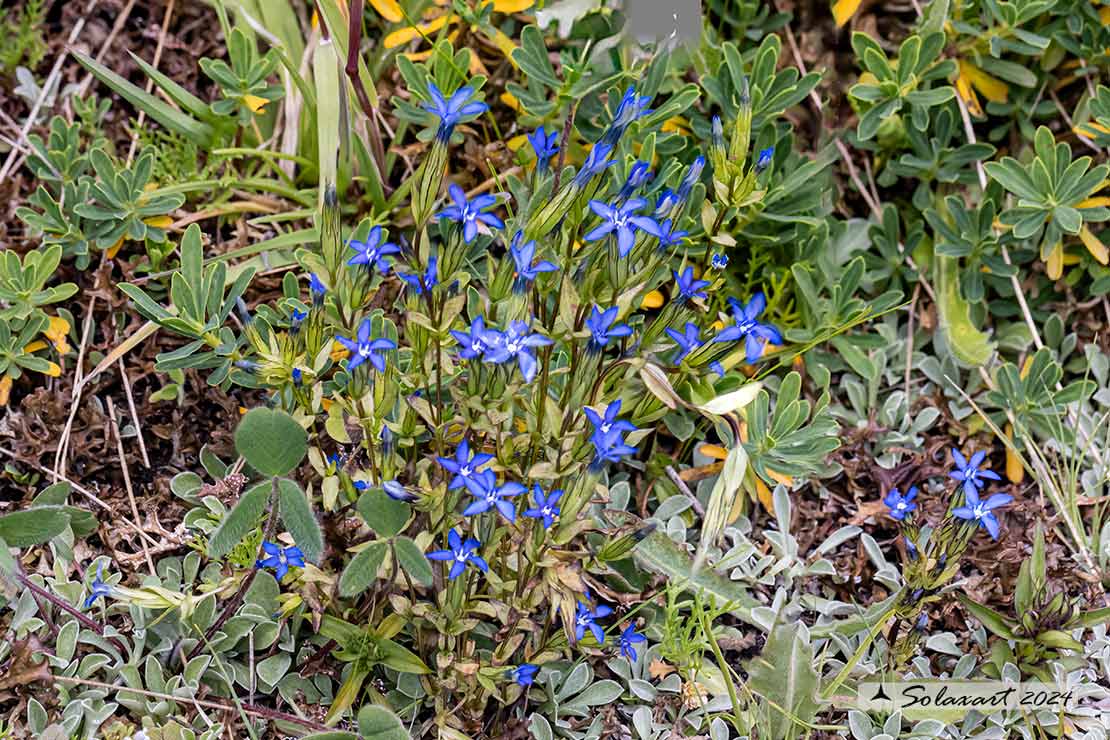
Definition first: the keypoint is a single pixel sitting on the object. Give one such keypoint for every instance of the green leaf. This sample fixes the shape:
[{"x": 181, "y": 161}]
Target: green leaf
[
  {"x": 196, "y": 131},
  {"x": 239, "y": 522},
  {"x": 296, "y": 513},
  {"x": 33, "y": 526},
  {"x": 531, "y": 55},
  {"x": 1060, "y": 640},
  {"x": 967, "y": 344},
  {"x": 331, "y": 735},
  {"x": 412, "y": 560},
  {"x": 784, "y": 673},
  {"x": 992, "y": 620},
  {"x": 362, "y": 570},
  {"x": 660, "y": 554},
  {"x": 399, "y": 658},
  {"x": 380, "y": 723},
  {"x": 1091, "y": 618},
  {"x": 384, "y": 515},
  {"x": 271, "y": 441}
]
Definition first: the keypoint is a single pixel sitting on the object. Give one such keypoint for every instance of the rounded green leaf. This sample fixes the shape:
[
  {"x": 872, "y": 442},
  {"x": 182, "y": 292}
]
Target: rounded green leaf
[
  {"x": 33, "y": 526},
  {"x": 413, "y": 561},
  {"x": 297, "y": 515},
  {"x": 362, "y": 570},
  {"x": 239, "y": 522},
  {"x": 380, "y": 724},
  {"x": 271, "y": 441},
  {"x": 384, "y": 515}
]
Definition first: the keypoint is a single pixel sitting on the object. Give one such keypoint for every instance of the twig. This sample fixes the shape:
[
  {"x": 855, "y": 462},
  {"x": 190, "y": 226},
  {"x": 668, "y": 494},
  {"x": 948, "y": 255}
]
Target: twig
[
  {"x": 563, "y": 143},
  {"x": 127, "y": 479},
  {"x": 59, "y": 471},
  {"x": 134, "y": 413},
  {"x": 677, "y": 480},
  {"x": 909, "y": 342},
  {"x": 256, "y": 710},
  {"x": 121, "y": 21},
  {"x": 354, "y": 40},
  {"x": 68, "y": 608}
]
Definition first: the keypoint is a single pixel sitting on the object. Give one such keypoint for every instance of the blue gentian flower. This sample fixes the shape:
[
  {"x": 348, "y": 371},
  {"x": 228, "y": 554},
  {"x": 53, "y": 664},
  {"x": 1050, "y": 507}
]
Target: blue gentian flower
[
  {"x": 596, "y": 162},
  {"x": 544, "y": 145},
  {"x": 517, "y": 342},
  {"x": 586, "y": 619},
  {"x": 691, "y": 177},
  {"x": 298, "y": 376},
  {"x": 295, "y": 319},
  {"x": 719, "y": 261},
  {"x": 363, "y": 348},
  {"x": 622, "y": 221},
  {"x": 489, "y": 495},
  {"x": 523, "y": 256},
  {"x": 688, "y": 287},
  {"x": 600, "y": 324},
  {"x": 669, "y": 236},
  {"x": 631, "y": 107},
  {"x": 981, "y": 511},
  {"x": 396, "y": 491},
  {"x": 900, "y": 505},
  {"x": 638, "y": 176},
  {"x": 687, "y": 341},
  {"x": 431, "y": 277},
  {"x": 372, "y": 252},
  {"x": 922, "y": 622},
  {"x": 470, "y": 212},
  {"x": 764, "y": 159},
  {"x": 460, "y": 553},
  {"x": 99, "y": 587},
  {"x": 968, "y": 472},
  {"x": 911, "y": 549},
  {"x": 746, "y": 327},
  {"x": 609, "y": 447},
  {"x": 546, "y": 507},
  {"x": 474, "y": 343},
  {"x": 280, "y": 558},
  {"x": 317, "y": 289},
  {"x": 609, "y": 422},
  {"x": 666, "y": 202},
  {"x": 524, "y": 674},
  {"x": 464, "y": 465},
  {"x": 629, "y": 639},
  {"x": 718, "y": 368},
  {"x": 451, "y": 112}
]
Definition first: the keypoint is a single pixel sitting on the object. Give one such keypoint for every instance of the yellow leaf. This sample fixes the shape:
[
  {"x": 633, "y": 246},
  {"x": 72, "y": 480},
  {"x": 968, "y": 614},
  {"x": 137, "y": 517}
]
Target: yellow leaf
[
  {"x": 477, "y": 67},
  {"x": 242, "y": 410},
  {"x": 1098, "y": 201},
  {"x": 255, "y": 103},
  {"x": 764, "y": 495},
  {"x": 315, "y": 22},
  {"x": 158, "y": 222},
  {"x": 963, "y": 87},
  {"x": 503, "y": 43},
  {"x": 992, "y": 88},
  {"x": 516, "y": 142},
  {"x": 56, "y": 332},
  {"x": 5, "y": 389},
  {"x": 714, "y": 451},
  {"x": 404, "y": 35},
  {"x": 114, "y": 249},
  {"x": 339, "y": 352},
  {"x": 718, "y": 325},
  {"x": 388, "y": 9},
  {"x": 1094, "y": 245},
  {"x": 326, "y": 403},
  {"x": 34, "y": 346},
  {"x": 782, "y": 478},
  {"x": 843, "y": 10},
  {"x": 53, "y": 371},
  {"x": 1104, "y": 15},
  {"x": 1055, "y": 262},
  {"x": 1015, "y": 473},
  {"x": 677, "y": 125},
  {"x": 511, "y": 6},
  {"x": 654, "y": 299}
]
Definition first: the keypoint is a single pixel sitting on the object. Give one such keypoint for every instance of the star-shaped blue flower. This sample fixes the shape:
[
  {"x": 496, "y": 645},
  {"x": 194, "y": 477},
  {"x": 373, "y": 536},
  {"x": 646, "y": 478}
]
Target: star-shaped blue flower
[
  {"x": 99, "y": 587},
  {"x": 280, "y": 559},
  {"x": 687, "y": 341},
  {"x": 629, "y": 639},
  {"x": 688, "y": 287},
  {"x": 431, "y": 277},
  {"x": 600, "y": 324},
  {"x": 489, "y": 495},
  {"x": 464, "y": 465},
  {"x": 544, "y": 145},
  {"x": 472, "y": 344},
  {"x": 452, "y": 111},
  {"x": 363, "y": 348},
  {"x": 523, "y": 256},
  {"x": 524, "y": 674},
  {"x": 586, "y": 619},
  {"x": 609, "y": 422},
  {"x": 669, "y": 236},
  {"x": 968, "y": 472},
  {"x": 470, "y": 212},
  {"x": 546, "y": 507},
  {"x": 900, "y": 505},
  {"x": 747, "y": 327},
  {"x": 372, "y": 252},
  {"x": 981, "y": 511},
  {"x": 623, "y": 222},
  {"x": 609, "y": 447},
  {"x": 460, "y": 554},
  {"x": 516, "y": 342},
  {"x": 719, "y": 261}
]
